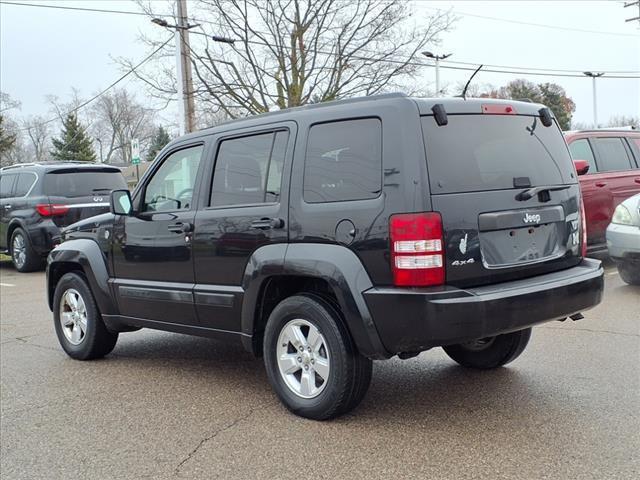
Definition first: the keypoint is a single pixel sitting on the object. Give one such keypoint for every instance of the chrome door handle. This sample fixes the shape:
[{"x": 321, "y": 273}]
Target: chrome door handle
[
  {"x": 267, "y": 223},
  {"x": 180, "y": 227}
]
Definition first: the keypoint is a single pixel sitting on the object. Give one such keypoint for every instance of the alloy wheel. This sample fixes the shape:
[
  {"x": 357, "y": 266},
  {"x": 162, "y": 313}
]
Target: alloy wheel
[
  {"x": 19, "y": 251},
  {"x": 303, "y": 358},
  {"x": 73, "y": 316}
]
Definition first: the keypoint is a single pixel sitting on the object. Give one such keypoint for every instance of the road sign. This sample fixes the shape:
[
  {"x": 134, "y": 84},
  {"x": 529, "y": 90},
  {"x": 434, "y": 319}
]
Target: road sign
[{"x": 135, "y": 151}]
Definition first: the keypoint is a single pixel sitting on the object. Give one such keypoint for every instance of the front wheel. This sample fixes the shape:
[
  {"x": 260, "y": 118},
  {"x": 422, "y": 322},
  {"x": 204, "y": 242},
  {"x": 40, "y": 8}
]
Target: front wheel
[
  {"x": 311, "y": 361},
  {"x": 490, "y": 352},
  {"x": 78, "y": 323},
  {"x": 629, "y": 272}
]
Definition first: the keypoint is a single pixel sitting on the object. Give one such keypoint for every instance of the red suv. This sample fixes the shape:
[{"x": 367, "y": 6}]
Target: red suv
[{"x": 608, "y": 163}]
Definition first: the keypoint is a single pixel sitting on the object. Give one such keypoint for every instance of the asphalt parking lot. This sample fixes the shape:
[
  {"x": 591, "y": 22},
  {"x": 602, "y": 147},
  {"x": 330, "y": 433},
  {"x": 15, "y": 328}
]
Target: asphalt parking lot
[{"x": 171, "y": 406}]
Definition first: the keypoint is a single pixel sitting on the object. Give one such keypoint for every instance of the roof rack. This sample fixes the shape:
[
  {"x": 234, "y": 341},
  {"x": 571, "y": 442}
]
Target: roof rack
[
  {"x": 56, "y": 162},
  {"x": 19, "y": 165}
]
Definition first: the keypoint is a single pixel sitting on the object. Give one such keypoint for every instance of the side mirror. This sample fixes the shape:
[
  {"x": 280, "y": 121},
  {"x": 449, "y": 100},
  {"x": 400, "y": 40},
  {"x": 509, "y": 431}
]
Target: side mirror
[
  {"x": 120, "y": 202},
  {"x": 582, "y": 166}
]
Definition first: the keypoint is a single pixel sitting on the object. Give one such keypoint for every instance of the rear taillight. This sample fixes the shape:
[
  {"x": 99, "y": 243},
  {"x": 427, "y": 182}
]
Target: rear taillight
[
  {"x": 417, "y": 256},
  {"x": 51, "y": 210},
  {"x": 583, "y": 227}
]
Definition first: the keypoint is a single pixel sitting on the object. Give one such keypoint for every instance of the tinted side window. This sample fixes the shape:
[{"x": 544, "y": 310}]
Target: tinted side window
[
  {"x": 581, "y": 150},
  {"x": 24, "y": 184},
  {"x": 612, "y": 155},
  {"x": 249, "y": 170},
  {"x": 6, "y": 184},
  {"x": 344, "y": 161},
  {"x": 172, "y": 185}
]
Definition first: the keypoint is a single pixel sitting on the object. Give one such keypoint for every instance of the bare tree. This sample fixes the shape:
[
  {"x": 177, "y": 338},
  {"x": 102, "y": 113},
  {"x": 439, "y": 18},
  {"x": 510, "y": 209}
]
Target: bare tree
[
  {"x": 294, "y": 52},
  {"x": 11, "y": 148},
  {"x": 117, "y": 118},
  {"x": 624, "y": 121},
  {"x": 37, "y": 130}
]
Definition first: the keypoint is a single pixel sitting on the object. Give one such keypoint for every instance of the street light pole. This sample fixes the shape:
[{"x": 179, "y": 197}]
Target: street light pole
[
  {"x": 437, "y": 58},
  {"x": 593, "y": 76}
]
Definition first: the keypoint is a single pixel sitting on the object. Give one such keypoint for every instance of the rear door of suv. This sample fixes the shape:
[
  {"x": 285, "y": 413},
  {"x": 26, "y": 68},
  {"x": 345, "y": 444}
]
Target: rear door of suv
[
  {"x": 507, "y": 192},
  {"x": 243, "y": 208},
  {"x": 7, "y": 183}
]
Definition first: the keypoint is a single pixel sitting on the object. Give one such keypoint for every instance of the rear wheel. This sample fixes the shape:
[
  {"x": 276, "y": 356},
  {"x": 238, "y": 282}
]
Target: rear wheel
[
  {"x": 490, "y": 352},
  {"x": 630, "y": 272},
  {"x": 311, "y": 361},
  {"x": 23, "y": 256},
  {"x": 78, "y": 323}
]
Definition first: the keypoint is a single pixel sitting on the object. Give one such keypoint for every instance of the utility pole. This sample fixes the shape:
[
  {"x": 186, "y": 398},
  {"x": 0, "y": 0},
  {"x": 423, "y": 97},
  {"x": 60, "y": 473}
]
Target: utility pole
[
  {"x": 184, "y": 59},
  {"x": 437, "y": 58},
  {"x": 593, "y": 76},
  {"x": 186, "y": 102}
]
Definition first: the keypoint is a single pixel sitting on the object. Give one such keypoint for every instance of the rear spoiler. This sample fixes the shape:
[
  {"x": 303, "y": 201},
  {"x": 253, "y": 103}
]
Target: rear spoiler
[{"x": 440, "y": 113}]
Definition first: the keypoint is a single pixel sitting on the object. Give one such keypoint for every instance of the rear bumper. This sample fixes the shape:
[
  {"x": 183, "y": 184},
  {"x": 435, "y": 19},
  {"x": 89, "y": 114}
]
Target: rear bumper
[{"x": 410, "y": 320}]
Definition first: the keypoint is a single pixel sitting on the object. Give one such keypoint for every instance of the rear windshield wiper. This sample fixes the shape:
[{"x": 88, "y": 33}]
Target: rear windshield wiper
[{"x": 530, "y": 192}]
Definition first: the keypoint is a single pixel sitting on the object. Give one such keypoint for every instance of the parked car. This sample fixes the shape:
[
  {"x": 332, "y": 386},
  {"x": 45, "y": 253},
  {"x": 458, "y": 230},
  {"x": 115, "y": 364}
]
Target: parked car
[
  {"x": 38, "y": 199},
  {"x": 613, "y": 175},
  {"x": 623, "y": 239},
  {"x": 325, "y": 236}
]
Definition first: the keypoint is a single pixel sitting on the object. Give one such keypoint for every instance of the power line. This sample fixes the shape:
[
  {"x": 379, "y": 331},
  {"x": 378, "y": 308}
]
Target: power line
[
  {"x": 113, "y": 84},
  {"x": 450, "y": 67},
  {"x": 493, "y": 68},
  {"x": 81, "y": 9},
  {"x": 541, "y": 25},
  {"x": 541, "y": 69}
]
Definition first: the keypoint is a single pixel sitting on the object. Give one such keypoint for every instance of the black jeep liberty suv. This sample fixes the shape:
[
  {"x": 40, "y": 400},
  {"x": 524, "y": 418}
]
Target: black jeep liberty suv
[{"x": 325, "y": 236}]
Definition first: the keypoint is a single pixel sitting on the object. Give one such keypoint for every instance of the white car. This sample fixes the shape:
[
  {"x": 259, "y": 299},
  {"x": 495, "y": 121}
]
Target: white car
[{"x": 623, "y": 239}]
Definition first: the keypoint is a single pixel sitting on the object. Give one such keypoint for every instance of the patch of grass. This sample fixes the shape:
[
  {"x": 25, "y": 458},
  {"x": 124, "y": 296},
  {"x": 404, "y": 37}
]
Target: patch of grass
[{"x": 4, "y": 258}]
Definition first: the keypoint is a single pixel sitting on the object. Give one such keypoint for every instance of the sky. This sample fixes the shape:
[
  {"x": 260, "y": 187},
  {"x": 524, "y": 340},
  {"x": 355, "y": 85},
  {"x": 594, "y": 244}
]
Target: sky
[{"x": 46, "y": 52}]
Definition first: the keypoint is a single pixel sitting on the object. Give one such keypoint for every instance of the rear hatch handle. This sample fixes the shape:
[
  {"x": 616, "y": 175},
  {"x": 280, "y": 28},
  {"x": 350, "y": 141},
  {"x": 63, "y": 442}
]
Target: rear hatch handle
[{"x": 530, "y": 192}]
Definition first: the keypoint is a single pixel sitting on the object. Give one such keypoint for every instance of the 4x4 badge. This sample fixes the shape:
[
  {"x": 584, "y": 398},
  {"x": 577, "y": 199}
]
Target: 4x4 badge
[{"x": 530, "y": 218}]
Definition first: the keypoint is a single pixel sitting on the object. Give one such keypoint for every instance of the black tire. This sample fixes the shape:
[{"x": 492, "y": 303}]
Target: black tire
[
  {"x": 490, "y": 352},
  {"x": 96, "y": 341},
  {"x": 629, "y": 272},
  {"x": 349, "y": 375},
  {"x": 31, "y": 260}
]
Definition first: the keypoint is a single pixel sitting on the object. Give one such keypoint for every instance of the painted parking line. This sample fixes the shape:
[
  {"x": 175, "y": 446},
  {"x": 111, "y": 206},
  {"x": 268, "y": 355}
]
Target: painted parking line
[
  {"x": 614, "y": 272},
  {"x": 6, "y": 284}
]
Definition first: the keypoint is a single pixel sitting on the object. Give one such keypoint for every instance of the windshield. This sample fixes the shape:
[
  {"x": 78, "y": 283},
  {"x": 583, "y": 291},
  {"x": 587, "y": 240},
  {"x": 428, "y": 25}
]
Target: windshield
[
  {"x": 82, "y": 183},
  {"x": 486, "y": 152}
]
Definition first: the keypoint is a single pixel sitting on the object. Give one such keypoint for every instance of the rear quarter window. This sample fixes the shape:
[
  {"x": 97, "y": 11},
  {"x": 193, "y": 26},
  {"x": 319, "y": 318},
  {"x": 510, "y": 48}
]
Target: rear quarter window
[
  {"x": 612, "y": 154},
  {"x": 486, "y": 152},
  {"x": 343, "y": 161},
  {"x": 24, "y": 184}
]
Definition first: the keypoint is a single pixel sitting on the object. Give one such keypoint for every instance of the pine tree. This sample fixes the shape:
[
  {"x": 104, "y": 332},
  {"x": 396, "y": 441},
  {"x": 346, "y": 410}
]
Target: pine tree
[
  {"x": 74, "y": 143},
  {"x": 160, "y": 139}
]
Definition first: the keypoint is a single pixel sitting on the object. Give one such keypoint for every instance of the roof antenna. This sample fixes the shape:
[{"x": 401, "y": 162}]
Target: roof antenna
[{"x": 464, "y": 90}]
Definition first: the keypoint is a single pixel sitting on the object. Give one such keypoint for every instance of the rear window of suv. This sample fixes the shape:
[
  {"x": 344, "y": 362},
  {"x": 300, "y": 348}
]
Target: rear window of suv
[
  {"x": 486, "y": 152},
  {"x": 76, "y": 182}
]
